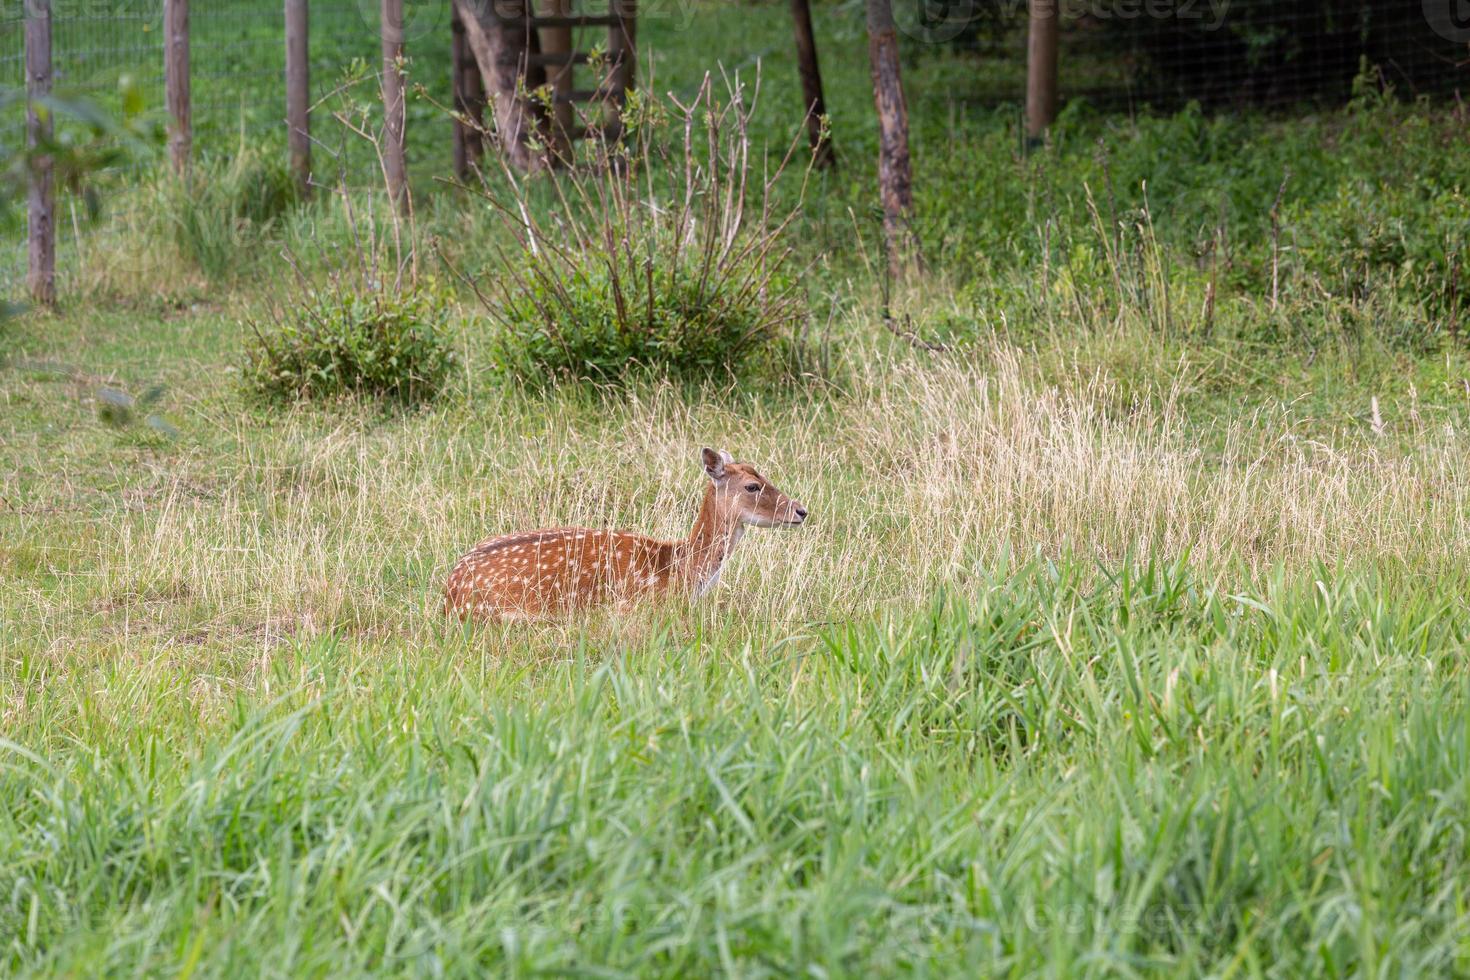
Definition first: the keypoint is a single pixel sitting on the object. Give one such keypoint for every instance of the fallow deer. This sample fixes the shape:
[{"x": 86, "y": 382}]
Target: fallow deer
[{"x": 537, "y": 574}]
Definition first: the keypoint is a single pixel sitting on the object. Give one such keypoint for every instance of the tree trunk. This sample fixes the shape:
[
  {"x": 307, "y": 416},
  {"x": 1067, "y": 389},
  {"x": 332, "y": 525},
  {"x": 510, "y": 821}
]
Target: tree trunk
[
  {"x": 895, "y": 179},
  {"x": 499, "y": 33},
  {"x": 298, "y": 92},
  {"x": 1041, "y": 69},
  {"x": 811, "y": 85},
  {"x": 395, "y": 109},
  {"x": 42, "y": 197},
  {"x": 176, "y": 82}
]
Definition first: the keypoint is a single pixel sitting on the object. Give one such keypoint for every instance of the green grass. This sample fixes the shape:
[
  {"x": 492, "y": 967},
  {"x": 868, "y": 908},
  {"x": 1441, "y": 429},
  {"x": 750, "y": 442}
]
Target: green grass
[
  {"x": 961, "y": 723},
  {"x": 1128, "y": 637},
  {"x": 1146, "y": 776}
]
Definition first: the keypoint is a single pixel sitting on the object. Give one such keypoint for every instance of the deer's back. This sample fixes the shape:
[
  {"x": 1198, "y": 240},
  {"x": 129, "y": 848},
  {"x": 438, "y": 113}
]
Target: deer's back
[{"x": 552, "y": 571}]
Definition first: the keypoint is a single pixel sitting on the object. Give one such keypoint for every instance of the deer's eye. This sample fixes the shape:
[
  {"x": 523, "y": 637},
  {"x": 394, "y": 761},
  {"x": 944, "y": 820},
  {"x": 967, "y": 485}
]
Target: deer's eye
[{"x": 752, "y": 488}]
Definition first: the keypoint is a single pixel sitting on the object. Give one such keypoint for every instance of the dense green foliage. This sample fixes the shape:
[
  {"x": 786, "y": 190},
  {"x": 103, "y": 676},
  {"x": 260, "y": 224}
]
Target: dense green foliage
[
  {"x": 1369, "y": 203},
  {"x": 629, "y": 264},
  {"x": 1235, "y": 55},
  {"x": 673, "y": 322},
  {"x": 379, "y": 343}
]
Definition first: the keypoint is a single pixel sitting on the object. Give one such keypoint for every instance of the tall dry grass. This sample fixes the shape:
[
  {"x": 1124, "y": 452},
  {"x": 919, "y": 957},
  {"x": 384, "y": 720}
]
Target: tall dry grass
[{"x": 922, "y": 476}]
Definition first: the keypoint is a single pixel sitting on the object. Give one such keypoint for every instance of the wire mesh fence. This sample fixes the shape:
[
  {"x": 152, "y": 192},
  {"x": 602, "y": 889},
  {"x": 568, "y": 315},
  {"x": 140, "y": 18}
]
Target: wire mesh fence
[
  {"x": 12, "y": 70},
  {"x": 1223, "y": 54},
  {"x": 110, "y": 53},
  {"x": 105, "y": 50}
]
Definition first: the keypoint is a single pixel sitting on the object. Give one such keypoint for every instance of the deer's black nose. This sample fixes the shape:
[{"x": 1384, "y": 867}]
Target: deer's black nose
[{"x": 801, "y": 512}]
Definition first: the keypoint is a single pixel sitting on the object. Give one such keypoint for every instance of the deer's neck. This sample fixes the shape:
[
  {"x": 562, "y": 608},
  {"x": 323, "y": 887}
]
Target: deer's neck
[{"x": 710, "y": 542}]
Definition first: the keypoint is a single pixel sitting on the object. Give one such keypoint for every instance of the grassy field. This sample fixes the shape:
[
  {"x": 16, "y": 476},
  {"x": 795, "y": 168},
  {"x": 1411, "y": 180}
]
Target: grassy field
[
  {"x": 1126, "y": 637},
  {"x": 1041, "y": 687}
]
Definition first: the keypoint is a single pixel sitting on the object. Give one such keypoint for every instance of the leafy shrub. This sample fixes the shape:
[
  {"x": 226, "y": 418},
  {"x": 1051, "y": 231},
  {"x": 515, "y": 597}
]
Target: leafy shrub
[
  {"x": 390, "y": 345},
  {"x": 647, "y": 259},
  {"x": 673, "y": 320}
]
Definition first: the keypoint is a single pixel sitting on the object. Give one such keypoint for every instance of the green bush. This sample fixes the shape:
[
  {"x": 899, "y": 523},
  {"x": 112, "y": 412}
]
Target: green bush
[
  {"x": 628, "y": 265},
  {"x": 389, "y": 345},
  {"x": 596, "y": 327}
]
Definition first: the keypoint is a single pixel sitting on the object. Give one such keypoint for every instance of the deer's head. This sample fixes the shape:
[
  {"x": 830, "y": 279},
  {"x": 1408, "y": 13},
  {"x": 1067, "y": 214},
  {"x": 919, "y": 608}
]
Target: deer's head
[{"x": 743, "y": 495}]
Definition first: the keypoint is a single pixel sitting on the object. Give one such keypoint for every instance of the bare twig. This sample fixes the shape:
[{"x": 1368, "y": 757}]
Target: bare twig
[
  {"x": 1276, "y": 240},
  {"x": 1454, "y": 299}
]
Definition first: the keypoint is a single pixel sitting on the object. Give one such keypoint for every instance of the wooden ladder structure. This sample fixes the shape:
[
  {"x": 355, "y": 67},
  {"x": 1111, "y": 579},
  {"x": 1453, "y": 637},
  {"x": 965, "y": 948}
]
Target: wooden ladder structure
[{"x": 550, "y": 59}]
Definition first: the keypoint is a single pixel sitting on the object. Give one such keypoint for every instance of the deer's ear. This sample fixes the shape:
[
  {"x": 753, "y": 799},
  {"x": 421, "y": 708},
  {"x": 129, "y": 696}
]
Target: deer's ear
[{"x": 714, "y": 462}]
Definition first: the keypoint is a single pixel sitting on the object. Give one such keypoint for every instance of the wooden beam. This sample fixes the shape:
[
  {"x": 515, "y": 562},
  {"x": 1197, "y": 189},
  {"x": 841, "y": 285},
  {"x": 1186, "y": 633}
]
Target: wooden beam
[
  {"x": 558, "y": 58},
  {"x": 298, "y": 93},
  {"x": 554, "y": 57},
  {"x": 1041, "y": 69},
  {"x": 622, "y": 53},
  {"x": 469, "y": 99},
  {"x": 41, "y": 204},
  {"x": 395, "y": 169},
  {"x": 563, "y": 20},
  {"x": 176, "y": 82},
  {"x": 599, "y": 94}
]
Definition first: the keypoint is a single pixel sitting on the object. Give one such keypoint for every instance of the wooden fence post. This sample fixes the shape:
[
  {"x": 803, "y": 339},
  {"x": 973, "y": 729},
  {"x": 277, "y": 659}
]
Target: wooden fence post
[
  {"x": 395, "y": 171},
  {"x": 41, "y": 210},
  {"x": 622, "y": 50},
  {"x": 298, "y": 92},
  {"x": 811, "y": 85},
  {"x": 469, "y": 98},
  {"x": 176, "y": 82},
  {"x": 557, "y": 54},
  {"x": 1041, "y": 68}
]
